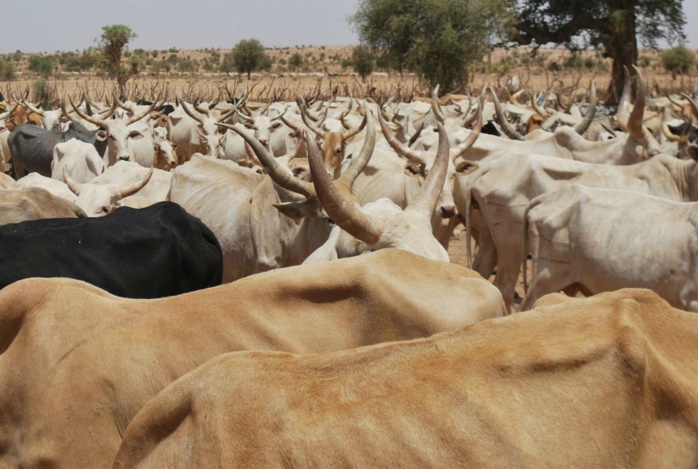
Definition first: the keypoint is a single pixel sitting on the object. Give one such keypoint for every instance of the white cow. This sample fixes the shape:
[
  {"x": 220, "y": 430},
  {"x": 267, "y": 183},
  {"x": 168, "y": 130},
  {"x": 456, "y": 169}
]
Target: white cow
[
  {"x": 79, "y": 158},
  {"x": 604, "y": 240}
]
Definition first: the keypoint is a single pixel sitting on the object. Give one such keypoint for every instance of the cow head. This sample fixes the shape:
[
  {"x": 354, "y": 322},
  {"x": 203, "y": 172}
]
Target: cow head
[{"x": 98, "y": 200}]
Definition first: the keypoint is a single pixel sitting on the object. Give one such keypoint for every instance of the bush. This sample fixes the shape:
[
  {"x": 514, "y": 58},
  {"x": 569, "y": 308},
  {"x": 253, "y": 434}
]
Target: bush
[
  {"x": 677, "y": 60},
  {"x": 7, "y": 70},
  {"x": 40, "y": 65}
]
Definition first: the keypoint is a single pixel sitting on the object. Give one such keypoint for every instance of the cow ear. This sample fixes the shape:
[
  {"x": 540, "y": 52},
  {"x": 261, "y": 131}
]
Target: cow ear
[
  {"x": 295, "y": 210},
  {"x": 302, "y": 173},
  {"x": 466, "y": 167},
  {"x": 101, "y": 135},
  {"x": 412, "y": 169},
  {"x": 692, "y": 152}
]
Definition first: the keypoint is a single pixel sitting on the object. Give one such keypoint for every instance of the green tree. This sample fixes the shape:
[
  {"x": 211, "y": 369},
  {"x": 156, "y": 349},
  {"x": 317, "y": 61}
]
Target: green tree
[
  {"x": 248, "y": 56},
  {"x": 40, "y": 65},
  {"x": 363, "y": 61},
  {"x": 611, "y": 25},
  {"x": 677, "y": 60},
  {"x": 7, "y": 70},
  {"x": 440, "y": 39},
  {"x": 114, "y": 40},
  {"x": 295, "y": 61}
]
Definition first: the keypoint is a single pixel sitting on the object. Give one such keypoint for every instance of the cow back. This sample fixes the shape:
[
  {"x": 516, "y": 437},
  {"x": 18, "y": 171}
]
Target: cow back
[{"x": 153, "y": 252}]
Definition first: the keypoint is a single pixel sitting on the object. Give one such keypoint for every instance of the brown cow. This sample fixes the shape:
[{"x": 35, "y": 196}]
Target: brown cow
[
  {"x": 77, "y": 364},
  {"x": 17, "y": 205},
  {"x": 607, "y": 381}
]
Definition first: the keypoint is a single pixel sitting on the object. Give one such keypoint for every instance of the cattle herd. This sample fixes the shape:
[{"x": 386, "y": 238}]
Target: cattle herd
[{"x": 247, "y": 284}]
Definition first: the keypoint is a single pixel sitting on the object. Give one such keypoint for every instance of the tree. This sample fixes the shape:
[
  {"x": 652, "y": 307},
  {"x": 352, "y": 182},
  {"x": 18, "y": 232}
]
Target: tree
[
  {"x": 363, "y": 61},
  {"x": 677, "y": 60},
  {"x": 41, "y": 65},
  {"x": 440, "y": 39},
  {"x": 295, "y": 61},
  {"x": 112, "y": 43},
  {"x": 248, "y": 56},
  {"x": 611, "y": 25},
  {"x": 7, "y": 71}
]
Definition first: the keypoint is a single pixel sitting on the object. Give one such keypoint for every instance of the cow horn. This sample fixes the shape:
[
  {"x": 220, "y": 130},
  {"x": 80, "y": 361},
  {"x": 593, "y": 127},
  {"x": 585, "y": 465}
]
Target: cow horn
[
  {"x": 135, "y": 187},
  {"x": 508, "y": 129},
  {"x": 32, "y": 108},
  {"x": 457, "y": 152},
  {"x": 359, "y": 163},
  {"x": 311, "y": 125},
  {"x": 98, "y": 122},
  {"x": 5, "y": 115},
  {"x": 694, "y": 105},
  {"x": 425, "y": 202},
  {"x": 190, "y": 112},
  {"x": 73, "y": 185},
  {"x": 340, "y": 209},
  {"x": 398, "y": 146},
  {"x": 635, "y": 129},
  {"x": 536, "y": 106},
  {"x": 623, "y": 112},
  {"x": 353, "y": 132},
  {"x": 140, "y": 116},
  {"x": 584, "y": 124},
  {"x": 281, "y": 175},
  {"x": 435, "y": 106}
]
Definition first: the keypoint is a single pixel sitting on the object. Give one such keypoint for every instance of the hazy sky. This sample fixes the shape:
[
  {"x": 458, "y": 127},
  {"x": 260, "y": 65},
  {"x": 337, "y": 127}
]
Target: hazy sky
[{"x": 160, "y": 24}]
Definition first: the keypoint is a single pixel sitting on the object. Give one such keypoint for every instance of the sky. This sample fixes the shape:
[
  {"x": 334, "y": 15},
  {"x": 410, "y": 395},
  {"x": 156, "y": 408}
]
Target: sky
[{"x": 68, "y": 25}]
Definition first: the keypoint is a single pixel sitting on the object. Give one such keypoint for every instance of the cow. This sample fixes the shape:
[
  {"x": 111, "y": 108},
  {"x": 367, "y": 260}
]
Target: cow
[
  {"x": 80, "y": 159},
  {"x": 99, "y": 197},
  {"x": 102, "y": 358},
  {"x": 154, "y": 252},
  {"x": 32, "y": 147},
  {"x": 585, "y": 236},
  {"x": 607, "y": 381},
  {"x": 127, "y": 138},
  {"x": 54, "y": 120},
  {"x": 195, "y": 132},
  {"x": 628, "y": 148},
  {"x": 502, "y": 204},
  {"x": 18, "y": 205}
]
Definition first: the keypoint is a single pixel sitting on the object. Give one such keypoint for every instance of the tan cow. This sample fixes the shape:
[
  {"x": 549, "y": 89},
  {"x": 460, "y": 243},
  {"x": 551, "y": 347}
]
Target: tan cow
[
  {"x": 608, "y": 381},
  {"x": 77, "y": 364},
  {"x": 17, "y": 205}
]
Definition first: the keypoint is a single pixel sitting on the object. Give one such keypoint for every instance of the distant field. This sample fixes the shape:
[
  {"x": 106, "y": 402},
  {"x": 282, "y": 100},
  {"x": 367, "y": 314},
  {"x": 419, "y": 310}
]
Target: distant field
[{"x": 322, "y": 71}]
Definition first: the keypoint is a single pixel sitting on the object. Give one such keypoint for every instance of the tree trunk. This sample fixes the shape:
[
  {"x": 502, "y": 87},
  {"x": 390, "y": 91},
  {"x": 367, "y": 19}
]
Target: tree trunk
[{"x": 622, "y": 48}]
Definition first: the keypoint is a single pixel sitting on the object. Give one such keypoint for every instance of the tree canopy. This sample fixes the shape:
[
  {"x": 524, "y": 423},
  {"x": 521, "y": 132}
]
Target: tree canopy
[
  {"x": 112, "y": 43},
  {"x": 248, "y": 56},
  {"x": 437, "y": 38},
  {"x": 610, "y": 25}
]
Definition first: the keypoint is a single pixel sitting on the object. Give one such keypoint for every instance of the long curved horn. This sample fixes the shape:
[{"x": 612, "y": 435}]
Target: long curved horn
[
  {"x": 191, "y": 113},
  {"x": 425, "y": 202},
  {"x": 341, "y": 210},
  {"x": 536, "y": 107},
  {"x": 635, "y": 129},
  {"x": 140, "y": 116},
  {"x": 291, "y": 125},
  {"x": 311, "y": 125},
  {"x": 97, "y": 122},
  {"x": 32, "y": 108},
  {"x": 5, "y": 115},
  {"x": 457, "y": 152},
  {"x": 584, "y": 124},
  {"x": 623, "y": 112},
  {"x": 435, "y": 106},
  {"x": 359, "y": 163},
  {"x": 694, "y": 105},
  {"x": 508, "y": 129},
  {"x": 281, "y": 175},
  {"x": 135, "y": 187},
  {"x": 400, "y": 148},
  {"x": 73, "y": 185},
  {"x": 353, "y": 132}
]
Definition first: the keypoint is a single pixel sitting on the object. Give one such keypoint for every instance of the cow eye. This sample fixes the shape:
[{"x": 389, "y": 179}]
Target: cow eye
[
  {"x": 135, "y": 135},
  {"x": 327, "y": 220}
]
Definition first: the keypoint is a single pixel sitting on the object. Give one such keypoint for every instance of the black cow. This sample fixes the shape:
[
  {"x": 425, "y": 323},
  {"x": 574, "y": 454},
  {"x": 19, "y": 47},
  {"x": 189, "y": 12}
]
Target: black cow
[
  {"x": 490, "y": 129},
  {"x": 31, "y": 146},
  {"x": 153, "y": 252}
]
